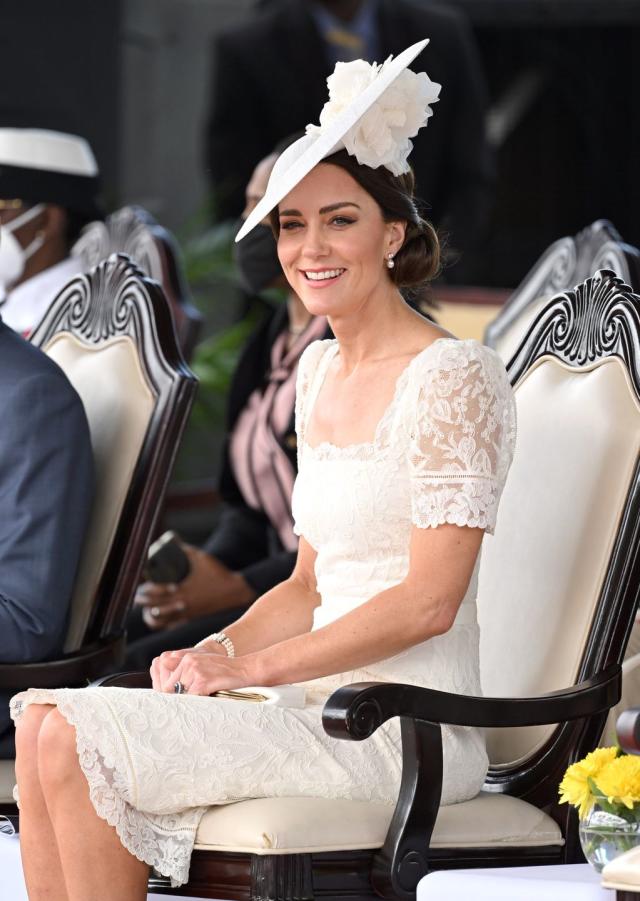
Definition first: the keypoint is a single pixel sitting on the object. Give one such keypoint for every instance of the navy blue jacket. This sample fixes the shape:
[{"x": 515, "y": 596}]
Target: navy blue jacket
[{"x": 46, "y": 490}]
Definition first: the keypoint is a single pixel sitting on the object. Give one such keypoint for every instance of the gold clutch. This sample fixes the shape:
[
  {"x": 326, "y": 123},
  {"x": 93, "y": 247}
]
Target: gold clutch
[
  {"x": 275, "y": 695},
  {"x": 239, "y": 695}
]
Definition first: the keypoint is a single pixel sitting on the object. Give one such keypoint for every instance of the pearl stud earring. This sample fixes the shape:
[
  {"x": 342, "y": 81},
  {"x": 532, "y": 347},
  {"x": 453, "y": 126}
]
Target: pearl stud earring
[{"x": 390, "y": 261}]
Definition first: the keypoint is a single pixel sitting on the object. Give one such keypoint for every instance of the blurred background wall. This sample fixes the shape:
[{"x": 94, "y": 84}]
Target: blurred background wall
[
  {"x": 61, "y": 67},
  {"x": 134, "y": 76},
  {"x": 166, "y": 62},
  {"x": 564, "y": 89}
]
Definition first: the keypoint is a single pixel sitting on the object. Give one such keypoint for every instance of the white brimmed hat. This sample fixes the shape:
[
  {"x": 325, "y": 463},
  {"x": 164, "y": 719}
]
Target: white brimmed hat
[
  {"x": 322, "y": 141},
  {"x": 38, "y": 165}
]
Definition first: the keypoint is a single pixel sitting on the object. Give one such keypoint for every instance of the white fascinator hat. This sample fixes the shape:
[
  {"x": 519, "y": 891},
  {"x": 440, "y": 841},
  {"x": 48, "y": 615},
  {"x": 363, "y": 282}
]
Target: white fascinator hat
[{"x": 373, "y": 111}]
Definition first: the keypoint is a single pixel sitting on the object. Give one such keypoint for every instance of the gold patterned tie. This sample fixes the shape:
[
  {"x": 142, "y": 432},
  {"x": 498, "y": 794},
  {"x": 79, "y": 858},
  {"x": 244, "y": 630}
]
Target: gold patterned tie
[{"x": 348, "y": 45}]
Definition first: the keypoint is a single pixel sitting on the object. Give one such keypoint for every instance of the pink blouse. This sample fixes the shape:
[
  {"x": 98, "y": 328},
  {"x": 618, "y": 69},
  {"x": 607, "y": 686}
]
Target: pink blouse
[{"x": 263, "y": 471}]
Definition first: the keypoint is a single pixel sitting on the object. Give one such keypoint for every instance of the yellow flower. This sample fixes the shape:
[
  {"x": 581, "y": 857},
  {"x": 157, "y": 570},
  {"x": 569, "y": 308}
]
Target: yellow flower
[
  {"x": 574, "y": 788},
  {"x": 619, "y": 780}
]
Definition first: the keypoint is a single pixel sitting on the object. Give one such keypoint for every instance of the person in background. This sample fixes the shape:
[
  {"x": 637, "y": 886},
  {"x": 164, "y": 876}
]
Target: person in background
[
  {"x": 253, "y": 546},
  {"x": 49, "y": 186},
  {"x": 46, "y": 490},
  {"x": 269, "y": 80}
]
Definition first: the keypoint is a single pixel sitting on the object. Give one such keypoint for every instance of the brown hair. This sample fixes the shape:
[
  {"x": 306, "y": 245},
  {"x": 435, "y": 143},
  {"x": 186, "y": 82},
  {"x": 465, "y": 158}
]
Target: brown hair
[{"x": 418, "y": 260}]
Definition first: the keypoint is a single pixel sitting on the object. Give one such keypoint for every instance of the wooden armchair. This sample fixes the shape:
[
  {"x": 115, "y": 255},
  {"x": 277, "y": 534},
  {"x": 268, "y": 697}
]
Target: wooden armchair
[
  {"x": 558, "y": 592},
  {"x": 566, "y": 263},
  {"x": 111, "y": 332},
  {"x": 134, "y": 231}
]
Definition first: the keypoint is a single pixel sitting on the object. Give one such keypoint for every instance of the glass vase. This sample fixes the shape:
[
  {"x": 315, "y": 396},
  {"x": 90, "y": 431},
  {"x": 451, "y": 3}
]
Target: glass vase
[{"x": 605, "y": 835}]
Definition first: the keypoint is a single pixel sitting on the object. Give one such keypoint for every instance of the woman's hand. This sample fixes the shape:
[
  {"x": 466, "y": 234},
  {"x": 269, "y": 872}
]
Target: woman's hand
[
  {"x": 209, "y": 587},
  {"x": 163, "y": 667},
  {"x": 201, "y": 671},
  {"x": 160, "y": 607}
]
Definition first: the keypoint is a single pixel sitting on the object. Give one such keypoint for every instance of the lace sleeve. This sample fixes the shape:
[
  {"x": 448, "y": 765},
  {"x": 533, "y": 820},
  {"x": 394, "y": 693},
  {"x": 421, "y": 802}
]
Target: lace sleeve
[{"x": 462, "y": 438}]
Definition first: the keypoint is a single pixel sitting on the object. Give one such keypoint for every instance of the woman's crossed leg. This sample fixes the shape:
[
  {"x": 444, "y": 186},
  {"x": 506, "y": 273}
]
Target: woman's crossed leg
[{"x": 69, "y": 853}]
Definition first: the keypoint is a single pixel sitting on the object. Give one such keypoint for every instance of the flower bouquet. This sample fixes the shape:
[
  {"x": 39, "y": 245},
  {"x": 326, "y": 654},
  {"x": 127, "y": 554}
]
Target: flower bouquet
[{"x": 605, "y": 788}]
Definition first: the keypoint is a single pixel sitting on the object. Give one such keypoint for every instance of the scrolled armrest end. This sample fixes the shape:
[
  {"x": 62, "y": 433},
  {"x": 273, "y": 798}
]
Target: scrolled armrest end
[{"x": 354, "y": 712}]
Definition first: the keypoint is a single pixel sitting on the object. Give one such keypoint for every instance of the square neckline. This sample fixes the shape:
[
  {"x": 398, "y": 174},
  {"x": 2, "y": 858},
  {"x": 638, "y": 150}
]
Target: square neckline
[{"x": 316, "y": 386}]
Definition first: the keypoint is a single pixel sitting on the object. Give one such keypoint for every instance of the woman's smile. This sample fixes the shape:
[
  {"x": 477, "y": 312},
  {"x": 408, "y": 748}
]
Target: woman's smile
[{"x": 322, "y": 278}]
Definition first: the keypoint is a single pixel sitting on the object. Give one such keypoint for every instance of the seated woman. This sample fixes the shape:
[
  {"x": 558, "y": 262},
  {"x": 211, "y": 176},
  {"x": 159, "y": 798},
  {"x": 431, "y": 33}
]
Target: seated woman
[
  {"x": 405, "y": 437},
  {"x": 253, "y": 546}
]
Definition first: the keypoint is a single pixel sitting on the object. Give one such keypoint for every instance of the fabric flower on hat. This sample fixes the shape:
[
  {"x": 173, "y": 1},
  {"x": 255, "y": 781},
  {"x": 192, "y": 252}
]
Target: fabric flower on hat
[{"x": 382, "y": 135}]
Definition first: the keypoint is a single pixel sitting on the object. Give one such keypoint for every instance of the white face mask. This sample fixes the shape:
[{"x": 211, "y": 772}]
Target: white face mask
[{"x": 12, "y": 256}]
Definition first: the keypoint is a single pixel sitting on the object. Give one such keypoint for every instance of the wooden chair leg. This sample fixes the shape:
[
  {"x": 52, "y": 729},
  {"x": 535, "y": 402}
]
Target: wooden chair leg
[{"x": 281, "y": 878}]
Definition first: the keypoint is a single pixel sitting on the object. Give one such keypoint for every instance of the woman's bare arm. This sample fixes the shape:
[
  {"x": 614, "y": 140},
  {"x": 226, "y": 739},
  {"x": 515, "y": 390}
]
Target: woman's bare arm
[
  {"x": 423, "y": 605},
  {"x": 283, "y": 612}
]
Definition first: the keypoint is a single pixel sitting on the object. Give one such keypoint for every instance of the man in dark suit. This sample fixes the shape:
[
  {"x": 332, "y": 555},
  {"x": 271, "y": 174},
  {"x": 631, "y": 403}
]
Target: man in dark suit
[
  {"x": 46, "y": 490},
  {"x": 269, "y": 81}
]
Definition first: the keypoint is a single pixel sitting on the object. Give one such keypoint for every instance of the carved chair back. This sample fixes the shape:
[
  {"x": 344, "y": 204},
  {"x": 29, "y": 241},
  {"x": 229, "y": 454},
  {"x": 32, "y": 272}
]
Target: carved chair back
[
  {"x": 111, "y": 332},
  {"x": 133, "y": 231},
  {"x": 566, "y": 263},
  {"x": 559, "y": 581}
]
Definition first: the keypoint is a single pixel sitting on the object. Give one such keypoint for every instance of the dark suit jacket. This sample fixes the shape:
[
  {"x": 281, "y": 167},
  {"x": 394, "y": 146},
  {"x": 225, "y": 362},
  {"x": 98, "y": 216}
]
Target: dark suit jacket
[
  {"x": 244, "y": 539},
  {"x": 46, "y": 490},
  {"x": 269, "y": 81}
]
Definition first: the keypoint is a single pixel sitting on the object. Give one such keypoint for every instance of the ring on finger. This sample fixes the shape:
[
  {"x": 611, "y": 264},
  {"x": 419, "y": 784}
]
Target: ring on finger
[{"x": 179, "y": 688}]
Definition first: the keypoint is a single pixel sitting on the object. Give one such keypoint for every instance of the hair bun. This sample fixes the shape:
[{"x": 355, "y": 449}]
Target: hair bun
[{"x": 418, "y": 260}]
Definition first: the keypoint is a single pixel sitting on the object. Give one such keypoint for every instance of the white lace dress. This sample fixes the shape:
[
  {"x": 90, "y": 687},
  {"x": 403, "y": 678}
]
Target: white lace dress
[{"x": 154, "y": 762}]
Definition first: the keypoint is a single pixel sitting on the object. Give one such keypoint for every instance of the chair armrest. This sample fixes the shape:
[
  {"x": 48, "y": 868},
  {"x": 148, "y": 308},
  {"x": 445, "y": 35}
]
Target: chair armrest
[
  {"x": 356, "y": 711},
  {"x": 125, "y": 680},
  {"x": 77, "y": 668}
]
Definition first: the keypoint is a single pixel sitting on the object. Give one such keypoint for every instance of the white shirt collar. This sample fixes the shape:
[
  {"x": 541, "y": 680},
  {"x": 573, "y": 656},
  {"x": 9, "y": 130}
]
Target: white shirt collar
[{"x": 26, "y": 305}]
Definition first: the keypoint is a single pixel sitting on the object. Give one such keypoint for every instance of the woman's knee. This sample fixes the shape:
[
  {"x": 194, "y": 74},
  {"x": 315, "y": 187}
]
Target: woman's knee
[
  {"x": 28, "y": 729},
  {"x": 56, "y": 751}
]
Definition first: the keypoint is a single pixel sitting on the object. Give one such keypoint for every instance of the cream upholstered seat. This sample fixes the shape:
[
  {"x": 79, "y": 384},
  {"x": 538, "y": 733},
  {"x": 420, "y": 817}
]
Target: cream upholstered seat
[
  {"x": 305, "y": 825},
  {"x": 111, "y": 332}
]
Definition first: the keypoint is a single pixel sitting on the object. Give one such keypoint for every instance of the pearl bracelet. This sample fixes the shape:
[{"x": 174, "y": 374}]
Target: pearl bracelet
[{"x": 222, "y": 639}]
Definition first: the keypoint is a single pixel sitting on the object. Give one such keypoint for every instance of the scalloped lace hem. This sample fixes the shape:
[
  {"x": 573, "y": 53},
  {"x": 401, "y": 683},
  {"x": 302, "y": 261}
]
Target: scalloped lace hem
[
  {"x": 365, "y": 450},
  {"x": 166, "y": 850},
  {"x": 484, "y": 521}
]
